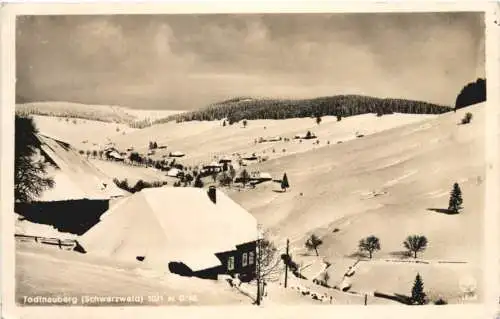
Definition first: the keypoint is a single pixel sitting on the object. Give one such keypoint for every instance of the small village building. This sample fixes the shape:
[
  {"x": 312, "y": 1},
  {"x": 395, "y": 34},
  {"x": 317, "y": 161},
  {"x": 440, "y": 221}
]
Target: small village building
[
  {"x": 225, "y": 160},
  {"x": 174, "y": 172},
  {"x": 212, "y": 168},
  {"x": 252, "y": 157},
  {"x": 272, "y": 139},
  {"x": 114, "y": 155},
  {"x": 260, "y": 176},
  {"x": 176, "y": 154},
  {"x": 185, "y": 230},
  {"x": 305, "y": 136}
]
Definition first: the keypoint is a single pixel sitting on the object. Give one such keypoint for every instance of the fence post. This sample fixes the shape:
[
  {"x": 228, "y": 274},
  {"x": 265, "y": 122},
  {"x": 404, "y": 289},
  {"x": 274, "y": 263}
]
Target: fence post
[
  {"x": 59, "y": 243},
  {"x": 286, "y": 262}
]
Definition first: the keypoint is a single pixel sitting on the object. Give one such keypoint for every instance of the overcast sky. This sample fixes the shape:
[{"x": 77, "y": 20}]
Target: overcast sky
[{"x": 188, "y": 61}]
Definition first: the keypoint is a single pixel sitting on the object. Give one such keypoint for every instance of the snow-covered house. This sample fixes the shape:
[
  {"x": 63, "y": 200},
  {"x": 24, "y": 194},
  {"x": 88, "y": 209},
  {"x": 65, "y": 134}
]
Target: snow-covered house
[
  {"x": 185, "y": 230},
  {"x": 272, "y": 139},
  {"x": 174, "y": 172},
  {"x": 225, "y": 160},
  {"x": 252, "y": 157},
  {"x": 176, "y": 154},
  {"x": 306, "y": 136},
  {"x": 81, "y": 192},
  {"x": 260, "y": 176},
  {"x": 212, "y": 168},
  {"x": 114, "y": 155}
]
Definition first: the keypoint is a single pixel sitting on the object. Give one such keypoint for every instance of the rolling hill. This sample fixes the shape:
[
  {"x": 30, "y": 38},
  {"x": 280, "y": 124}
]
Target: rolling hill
[
  {"x": 102, "y": 113},
  {"x": 390, "y": 184},
  {"x": 202, "y": 140},
  {"x": 384, "y": 183}
]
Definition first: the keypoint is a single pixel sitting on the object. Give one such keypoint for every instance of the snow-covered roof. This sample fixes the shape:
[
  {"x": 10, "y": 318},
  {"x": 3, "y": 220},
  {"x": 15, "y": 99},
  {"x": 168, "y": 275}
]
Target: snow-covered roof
[
  {"x": 177, "y": 153},
  {"x": 171, "y": 224},
  {"x": 74, "y": 176},
  {"x": 173, "y": 172},
  {"x": 213, "y": 164},
  {"x": 27, "y": 228},
  {"x": 115, "y": 154},
  {"x": 273, "y": 138},
  {"x": 265, "y": 176}
]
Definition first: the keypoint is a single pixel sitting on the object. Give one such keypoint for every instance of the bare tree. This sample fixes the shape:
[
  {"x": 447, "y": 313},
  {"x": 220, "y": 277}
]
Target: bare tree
[
  {"x": 369, "y": 244},
  {"x": 415, "y": 244},
  {"x": 244, "y": 177},
  {"x": 313, "y": 242},
  {"x": 225, "y": 179},
  {"x": 214, "y": 176},
  {"x": 267, "y": 265}
]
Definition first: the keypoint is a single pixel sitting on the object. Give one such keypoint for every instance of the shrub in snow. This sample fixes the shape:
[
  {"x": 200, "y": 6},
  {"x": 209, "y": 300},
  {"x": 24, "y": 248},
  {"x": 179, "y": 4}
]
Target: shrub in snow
[
  {"x": 440, "y": 302},
  {"x": 467, "y": 118}
]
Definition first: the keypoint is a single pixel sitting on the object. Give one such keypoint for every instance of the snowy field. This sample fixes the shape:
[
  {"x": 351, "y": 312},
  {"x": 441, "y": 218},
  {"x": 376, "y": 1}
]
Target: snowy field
[{"x": 391, "y": 183}]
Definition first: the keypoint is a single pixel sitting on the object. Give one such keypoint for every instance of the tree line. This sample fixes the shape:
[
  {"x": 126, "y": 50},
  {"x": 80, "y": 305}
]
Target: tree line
[{"x": 340, "y": 105}]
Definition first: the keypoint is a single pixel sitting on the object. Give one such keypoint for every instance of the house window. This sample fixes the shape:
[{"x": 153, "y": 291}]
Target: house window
[
  {"x": 250, "y": 258},
  {"x": 230, "y": 263},
  {"x": 244, "y": 260}
]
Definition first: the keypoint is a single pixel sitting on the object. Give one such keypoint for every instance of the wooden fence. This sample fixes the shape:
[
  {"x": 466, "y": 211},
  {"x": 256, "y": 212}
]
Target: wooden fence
[{"x": 67, "y": 244}]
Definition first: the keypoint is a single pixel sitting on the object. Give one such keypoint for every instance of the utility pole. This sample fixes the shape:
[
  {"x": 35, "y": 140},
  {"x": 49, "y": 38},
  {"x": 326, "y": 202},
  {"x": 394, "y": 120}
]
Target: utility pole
[{"x": 286, "y": 261}]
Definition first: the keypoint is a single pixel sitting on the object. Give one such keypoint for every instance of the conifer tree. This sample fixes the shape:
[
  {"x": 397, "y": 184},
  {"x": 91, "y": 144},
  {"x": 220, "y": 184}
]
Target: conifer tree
[
  {"x": 30, "y": 173},
  {"x": 284, "y": 183},
  {"x": 455, "y": 203},
  {"x": 418, "y": 296}
]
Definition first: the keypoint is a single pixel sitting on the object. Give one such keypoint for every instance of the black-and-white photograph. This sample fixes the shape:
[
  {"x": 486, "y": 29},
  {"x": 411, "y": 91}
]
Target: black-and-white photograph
[{"x": 250, "y": 159}]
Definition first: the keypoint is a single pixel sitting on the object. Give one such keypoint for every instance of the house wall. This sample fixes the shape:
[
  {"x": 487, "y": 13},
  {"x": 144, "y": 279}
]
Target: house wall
[
  {"x": 247, "y": 272},
  {"x": 72, "y": 216}
]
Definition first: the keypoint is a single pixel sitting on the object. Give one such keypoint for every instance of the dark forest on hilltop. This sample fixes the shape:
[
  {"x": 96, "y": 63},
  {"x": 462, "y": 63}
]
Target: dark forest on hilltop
[{"x": 237, "y": 109}]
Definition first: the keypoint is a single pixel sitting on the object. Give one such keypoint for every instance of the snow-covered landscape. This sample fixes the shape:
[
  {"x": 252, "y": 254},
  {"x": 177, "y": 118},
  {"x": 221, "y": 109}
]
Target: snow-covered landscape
[
  {"x": 391, "y": 183},
  {"x": 221, "y": 198}
]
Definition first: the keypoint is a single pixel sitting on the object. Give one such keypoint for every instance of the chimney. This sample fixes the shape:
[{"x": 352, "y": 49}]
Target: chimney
[{"x": 212, "y": 194}]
